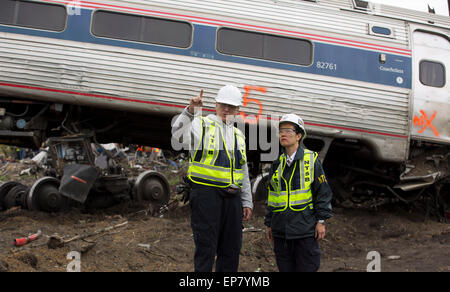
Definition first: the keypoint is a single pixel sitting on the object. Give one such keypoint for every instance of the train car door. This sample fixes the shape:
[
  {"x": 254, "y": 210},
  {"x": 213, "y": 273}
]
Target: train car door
[{"x": 431, "y": 89}]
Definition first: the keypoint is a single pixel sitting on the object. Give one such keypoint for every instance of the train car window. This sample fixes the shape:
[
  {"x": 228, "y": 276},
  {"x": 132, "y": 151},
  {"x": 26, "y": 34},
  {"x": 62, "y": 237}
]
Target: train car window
[
  {"x": 33, "y": 15},
  {"x": 117, "y": 25},
  {"x": 360, "y": 4},
  {"x": 7, "y": 8},
  {"x": 167, "y": 32},
  {"x": 432, "y": 74},
  {"x": 240, "y": 43},
  {"x": 264, "y": 46},
  {"x": 142, "y": 29},
  {"x": 287, "y": 50},
  {"x": 381, "y": 30}
]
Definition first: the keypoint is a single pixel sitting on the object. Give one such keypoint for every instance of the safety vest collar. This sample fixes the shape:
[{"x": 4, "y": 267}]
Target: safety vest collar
[{"x": 299, "y": 155}]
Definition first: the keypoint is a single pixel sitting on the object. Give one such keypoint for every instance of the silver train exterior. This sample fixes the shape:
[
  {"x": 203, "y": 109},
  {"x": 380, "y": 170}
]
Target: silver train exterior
[{"x": 362, "y": 75}]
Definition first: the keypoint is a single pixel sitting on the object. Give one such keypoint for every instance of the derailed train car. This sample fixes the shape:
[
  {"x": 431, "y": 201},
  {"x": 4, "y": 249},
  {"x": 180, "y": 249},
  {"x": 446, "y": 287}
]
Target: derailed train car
[{"x": 370, "y": 80}]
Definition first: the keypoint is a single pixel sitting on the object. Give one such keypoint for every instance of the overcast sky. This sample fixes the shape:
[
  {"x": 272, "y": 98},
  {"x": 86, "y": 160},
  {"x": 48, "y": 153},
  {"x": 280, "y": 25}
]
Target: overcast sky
[{"x": 440, "y": 6}]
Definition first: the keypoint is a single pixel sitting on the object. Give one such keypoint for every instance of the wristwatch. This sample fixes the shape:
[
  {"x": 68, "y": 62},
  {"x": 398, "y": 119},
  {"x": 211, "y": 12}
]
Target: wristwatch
[{"x": 321, "y": 221}]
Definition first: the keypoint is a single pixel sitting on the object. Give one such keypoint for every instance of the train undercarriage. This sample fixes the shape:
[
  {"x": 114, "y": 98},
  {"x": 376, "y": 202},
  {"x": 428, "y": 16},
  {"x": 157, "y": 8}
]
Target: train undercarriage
[
  {"x": 356, "y": 176},
  {"x": 422, "y": 182},
  {"x": 71, "y": 177}
]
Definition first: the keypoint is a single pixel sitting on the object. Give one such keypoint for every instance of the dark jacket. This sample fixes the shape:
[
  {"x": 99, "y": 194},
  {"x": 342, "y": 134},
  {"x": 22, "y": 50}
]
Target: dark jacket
[{"x": 291, "y": 224}]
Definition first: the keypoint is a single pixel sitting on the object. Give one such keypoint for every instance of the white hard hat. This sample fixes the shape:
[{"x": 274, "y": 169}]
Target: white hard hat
[
  {"x": 229, "y": 94},
  {"x": 294, "y": 119}
]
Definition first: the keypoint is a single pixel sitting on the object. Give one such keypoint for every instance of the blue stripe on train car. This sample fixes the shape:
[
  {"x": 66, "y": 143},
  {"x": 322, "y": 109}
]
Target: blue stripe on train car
[{"x": 329, "y": 60}]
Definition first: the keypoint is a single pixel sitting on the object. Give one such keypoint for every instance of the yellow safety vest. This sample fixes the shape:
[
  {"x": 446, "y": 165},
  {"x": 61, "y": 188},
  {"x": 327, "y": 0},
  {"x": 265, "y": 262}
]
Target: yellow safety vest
[
  {"x": 212, "y": 163},
  {"x": 295, "y": 194}
]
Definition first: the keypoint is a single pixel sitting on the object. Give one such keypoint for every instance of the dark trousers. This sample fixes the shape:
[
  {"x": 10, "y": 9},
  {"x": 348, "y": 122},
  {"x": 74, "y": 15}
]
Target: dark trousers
[
  {"x": 216, "y": 221},
  {"x": 297, "y": 255}
]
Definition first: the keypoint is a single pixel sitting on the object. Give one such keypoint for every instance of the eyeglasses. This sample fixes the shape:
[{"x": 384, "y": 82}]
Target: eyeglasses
[{"x": 287, "y": 131}]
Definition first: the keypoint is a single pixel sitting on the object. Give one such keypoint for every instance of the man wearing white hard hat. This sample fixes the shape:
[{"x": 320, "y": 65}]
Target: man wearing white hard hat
[
  {"x": 220, "y": 197},
  {"x": 299, "y": 201}
]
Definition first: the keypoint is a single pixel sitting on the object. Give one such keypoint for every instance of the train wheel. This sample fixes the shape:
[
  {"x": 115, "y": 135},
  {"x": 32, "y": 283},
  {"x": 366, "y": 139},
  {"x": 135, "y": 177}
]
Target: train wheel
[
  {"x": 45, "y": 196},
  {"x": 4, "y": 189},
  {"x": 16, "y": 197},
  {"x": 259, "y": 188},
  {"x": 151, "y": 186}
]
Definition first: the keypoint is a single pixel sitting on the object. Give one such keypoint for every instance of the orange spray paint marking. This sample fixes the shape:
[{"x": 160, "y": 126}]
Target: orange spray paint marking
[
  {"x": 247, "y": 100},
  {"x": 424, "y": 122}
]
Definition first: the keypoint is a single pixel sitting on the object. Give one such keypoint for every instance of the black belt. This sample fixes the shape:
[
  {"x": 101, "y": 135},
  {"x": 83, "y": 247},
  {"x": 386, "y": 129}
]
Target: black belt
[{"x": 230, "y": 191}]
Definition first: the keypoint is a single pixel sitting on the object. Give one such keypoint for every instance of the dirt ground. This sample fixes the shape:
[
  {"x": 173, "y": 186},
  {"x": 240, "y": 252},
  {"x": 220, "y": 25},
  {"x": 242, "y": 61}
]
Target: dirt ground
[
  {"x": 164, "y": 243},
  {"x": 148, "y": 243}
]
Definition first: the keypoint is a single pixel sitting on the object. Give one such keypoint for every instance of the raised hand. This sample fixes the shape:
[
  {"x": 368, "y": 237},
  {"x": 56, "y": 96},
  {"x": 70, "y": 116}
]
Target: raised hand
[{"x": 195, "y": 102}]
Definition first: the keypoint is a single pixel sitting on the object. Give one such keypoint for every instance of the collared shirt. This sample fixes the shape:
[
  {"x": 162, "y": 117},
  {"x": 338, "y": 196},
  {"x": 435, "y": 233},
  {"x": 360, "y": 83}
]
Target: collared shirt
[{"x": 291, "y": 158}]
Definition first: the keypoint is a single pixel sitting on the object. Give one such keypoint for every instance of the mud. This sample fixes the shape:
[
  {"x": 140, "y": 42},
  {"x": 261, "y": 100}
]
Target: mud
[
  {"x": 165, "y": 244},
  {"x": 161, "y": 241}
]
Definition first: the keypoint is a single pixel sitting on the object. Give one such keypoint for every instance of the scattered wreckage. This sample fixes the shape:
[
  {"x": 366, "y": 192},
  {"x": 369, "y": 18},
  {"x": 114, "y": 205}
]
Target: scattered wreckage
[{"x": 81, "y": 172}]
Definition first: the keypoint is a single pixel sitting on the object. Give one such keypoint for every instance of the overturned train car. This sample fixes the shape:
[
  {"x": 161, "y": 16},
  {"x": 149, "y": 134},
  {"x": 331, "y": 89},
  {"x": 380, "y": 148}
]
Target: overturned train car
[{"x": 370, "y": 81}]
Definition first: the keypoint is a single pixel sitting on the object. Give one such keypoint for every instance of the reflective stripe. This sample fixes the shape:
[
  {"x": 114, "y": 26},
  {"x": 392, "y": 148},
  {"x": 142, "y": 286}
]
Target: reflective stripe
[
  {"x": 212, "y": 167},
  {"x": 299, "y": 192},
  {"x": 216, "y": 151},
  {"x": 300, "y": 202},
  {"x": 278, "y": 194},
  {"x": 205, "y": 147},
  {"x": 210, "y": 172},
  {"x": 302, "y": 174},
  {"x": 282, "y": 204},
  {"x": 210, "y": 177}
]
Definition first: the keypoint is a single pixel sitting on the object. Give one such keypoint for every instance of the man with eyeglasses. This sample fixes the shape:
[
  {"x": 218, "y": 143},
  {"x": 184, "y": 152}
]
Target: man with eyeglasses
[
  {"x": 220, "y": 197},
  {"x": 299, "y": 201}
]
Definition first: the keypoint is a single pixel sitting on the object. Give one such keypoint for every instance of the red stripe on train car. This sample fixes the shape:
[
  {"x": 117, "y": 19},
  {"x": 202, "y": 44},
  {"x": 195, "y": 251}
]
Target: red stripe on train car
[{"x": 183, "y": 106}]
